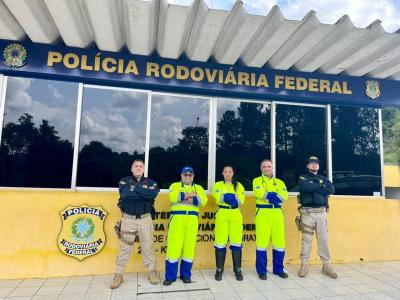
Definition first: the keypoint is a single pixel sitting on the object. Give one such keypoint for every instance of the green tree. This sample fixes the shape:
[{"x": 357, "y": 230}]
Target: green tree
[{"x": 391, "y": 134}]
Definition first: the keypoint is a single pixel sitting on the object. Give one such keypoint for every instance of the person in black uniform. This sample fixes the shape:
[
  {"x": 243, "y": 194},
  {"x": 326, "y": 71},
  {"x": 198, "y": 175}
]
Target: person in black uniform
[
  {"x": 314, "y": 192},
  {"x": 137, "y": 194}
]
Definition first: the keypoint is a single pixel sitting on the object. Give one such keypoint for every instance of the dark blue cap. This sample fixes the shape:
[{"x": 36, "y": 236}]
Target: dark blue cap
[
  {"x": 313, "y": 159},
  {"x": 187, "y": 169}
]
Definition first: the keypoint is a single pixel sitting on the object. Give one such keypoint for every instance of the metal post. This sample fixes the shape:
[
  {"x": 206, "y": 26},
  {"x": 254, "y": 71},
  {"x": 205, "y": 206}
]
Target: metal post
[
  {"x": 329, "y": 169},
  {"x": 381, "y": 152},
  {"x": 77, "y": 136},
  {"x": 212, "y": 143},
  {"x": 3, "y": 88},
  {"x": 148, "y": 126},
  {"x": 273, "y": 136}
]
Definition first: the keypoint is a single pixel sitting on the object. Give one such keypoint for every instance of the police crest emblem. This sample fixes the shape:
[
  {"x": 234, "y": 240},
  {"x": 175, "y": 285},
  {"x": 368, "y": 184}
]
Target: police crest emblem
[
  {"x": 14, "y": 55},
  {"x": 82, "y": 233},
  {"x": 372, "y": 89}
]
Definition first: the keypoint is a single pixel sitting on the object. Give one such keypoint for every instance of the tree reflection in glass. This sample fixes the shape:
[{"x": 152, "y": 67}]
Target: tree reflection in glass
[
  {"x": 38, "y": 133},
  {"x": 243, "y": 138},
  {"x": 356, "y": 150},
  {"x": 113, "y": 134},
  {"x": 300, "y": 133},
  {"x": 178, "y": 137}
]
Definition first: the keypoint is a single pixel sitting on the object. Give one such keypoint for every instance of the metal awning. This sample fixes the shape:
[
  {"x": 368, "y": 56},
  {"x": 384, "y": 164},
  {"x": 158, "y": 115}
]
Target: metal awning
[{"x": 202, "y": 33}]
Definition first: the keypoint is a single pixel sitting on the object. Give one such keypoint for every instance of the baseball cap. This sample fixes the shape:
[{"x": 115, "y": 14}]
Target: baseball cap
[
  {"x": 187, "y": 169},
  {"x": 313, "y": 159}
]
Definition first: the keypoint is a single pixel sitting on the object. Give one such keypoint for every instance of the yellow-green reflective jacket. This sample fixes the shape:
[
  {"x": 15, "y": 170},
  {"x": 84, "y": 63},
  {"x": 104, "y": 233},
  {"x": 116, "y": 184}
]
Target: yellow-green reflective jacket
[
  {"x": 174, "y": 196},
  {"x": 220, "y": 188},
  {"x": 264, "y": 184}
]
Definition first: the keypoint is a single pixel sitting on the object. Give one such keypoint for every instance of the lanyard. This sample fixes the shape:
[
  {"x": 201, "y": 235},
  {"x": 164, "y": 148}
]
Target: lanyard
[
  {"x": 184, "y": 189},
  {"x": 265, "y": 184}
]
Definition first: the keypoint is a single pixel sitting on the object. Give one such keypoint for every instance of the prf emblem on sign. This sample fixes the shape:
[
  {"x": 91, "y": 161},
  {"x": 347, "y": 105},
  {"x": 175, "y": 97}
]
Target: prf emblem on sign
[
  {"x": 82, "y": 233},
  {"x": 372, "y": 89},
  {"x": 14, "y": 55}
]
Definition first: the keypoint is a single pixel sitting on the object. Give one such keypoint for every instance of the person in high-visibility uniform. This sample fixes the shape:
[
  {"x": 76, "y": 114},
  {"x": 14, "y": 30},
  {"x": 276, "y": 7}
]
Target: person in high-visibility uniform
[
  {"x": 229, "y": 195},
  {"x": 270, "y": 193},
  {"x": 185, "y": 197}
]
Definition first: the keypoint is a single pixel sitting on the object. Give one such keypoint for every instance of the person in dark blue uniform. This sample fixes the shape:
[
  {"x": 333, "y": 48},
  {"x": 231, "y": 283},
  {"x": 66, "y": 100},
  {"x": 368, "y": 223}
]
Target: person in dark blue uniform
[
  {"x": 137, "y": 195},
  {"x": 314, "y": 192}
]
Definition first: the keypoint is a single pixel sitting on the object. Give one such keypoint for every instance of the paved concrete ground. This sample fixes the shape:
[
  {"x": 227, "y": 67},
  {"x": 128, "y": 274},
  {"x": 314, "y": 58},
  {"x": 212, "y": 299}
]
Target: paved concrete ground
[{"x": 375, "y": 280}]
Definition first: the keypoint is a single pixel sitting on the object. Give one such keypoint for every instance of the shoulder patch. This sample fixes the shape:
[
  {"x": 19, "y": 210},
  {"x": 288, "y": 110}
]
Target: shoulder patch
[
  {"x": 302, "y": 177},
  {"x": 284, "y": 189},
  {"x": 217, "y": 190},
  {"x": 258, "y": 187},
  {"x": 122, "y": 182}
]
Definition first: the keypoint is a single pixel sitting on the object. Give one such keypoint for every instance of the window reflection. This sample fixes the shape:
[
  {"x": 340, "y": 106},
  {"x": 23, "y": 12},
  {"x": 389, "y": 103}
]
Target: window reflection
[
  {"x": 38, "y": 133},
  {"x": 178, "y": 137},
  {"x": 356, "y": 150},
  {"x": 113, "y": 134},
  {"x": 300, "y": 133},
  {"x": 243, "y": 138}
]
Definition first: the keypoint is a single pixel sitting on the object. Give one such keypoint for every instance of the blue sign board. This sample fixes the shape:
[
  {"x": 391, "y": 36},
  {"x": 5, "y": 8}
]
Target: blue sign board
[{"x": 182, "y": 76}]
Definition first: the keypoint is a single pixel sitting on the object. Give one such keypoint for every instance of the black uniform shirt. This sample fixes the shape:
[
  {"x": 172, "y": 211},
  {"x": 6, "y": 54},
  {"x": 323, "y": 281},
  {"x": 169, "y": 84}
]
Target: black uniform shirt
[
  {"x": 314, "y": 190},
  {"x": 137, "y": 196}
]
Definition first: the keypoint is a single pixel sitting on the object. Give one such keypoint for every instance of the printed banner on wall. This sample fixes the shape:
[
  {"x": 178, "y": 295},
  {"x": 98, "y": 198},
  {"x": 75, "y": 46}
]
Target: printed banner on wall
[{"x": 82, "y": 233}]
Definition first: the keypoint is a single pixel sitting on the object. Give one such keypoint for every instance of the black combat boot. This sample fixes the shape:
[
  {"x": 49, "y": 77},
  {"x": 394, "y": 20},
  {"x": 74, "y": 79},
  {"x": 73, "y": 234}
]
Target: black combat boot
[
  {"x": 220, "y": 255},
  {"x": 237, "y": 264}
]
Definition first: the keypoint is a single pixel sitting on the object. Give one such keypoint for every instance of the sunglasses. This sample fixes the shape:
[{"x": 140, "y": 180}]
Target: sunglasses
[{"x": 188, "y": 175}]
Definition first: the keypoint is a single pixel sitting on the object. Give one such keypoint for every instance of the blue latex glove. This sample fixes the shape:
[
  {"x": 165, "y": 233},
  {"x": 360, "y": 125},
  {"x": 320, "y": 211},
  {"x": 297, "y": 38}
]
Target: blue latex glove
[
  {"x": 196, "y": 201},
  {"x": 182, "y": 196},
  {"x": 273, "y": 198},
  {"x": 230, "y": 199},
  {"x": 270, "y": 195}
]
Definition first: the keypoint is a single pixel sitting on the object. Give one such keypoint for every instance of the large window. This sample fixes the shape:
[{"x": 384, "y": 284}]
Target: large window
[
  {"x": 38, "y": 133},
  {"x": 300, "y": 133},
  {"x": 243, "y": 138},
  {"x": 356, "y": 151},
  {"x": 117, "y": 125},
  {"x": 113, "y": 134},
  {"x": 179, "y": 137}
]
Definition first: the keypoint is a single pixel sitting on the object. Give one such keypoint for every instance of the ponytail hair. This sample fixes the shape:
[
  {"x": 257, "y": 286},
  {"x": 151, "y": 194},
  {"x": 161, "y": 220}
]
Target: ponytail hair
[{"x": 234, "y": 181}]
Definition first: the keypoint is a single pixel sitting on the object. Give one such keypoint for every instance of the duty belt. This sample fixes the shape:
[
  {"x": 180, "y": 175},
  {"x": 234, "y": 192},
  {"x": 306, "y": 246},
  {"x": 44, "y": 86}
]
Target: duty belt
[
  {"x": 139, "y": 216},
  {"x": 229, "y": 207},
  {"x": 268, "y": 205},
  {"x": 313, "y": 209},
  {"x": 184, "y": 212}
]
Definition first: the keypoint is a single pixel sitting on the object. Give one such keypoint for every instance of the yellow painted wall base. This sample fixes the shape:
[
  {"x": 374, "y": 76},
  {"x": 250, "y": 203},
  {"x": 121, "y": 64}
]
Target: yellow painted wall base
[
  {"x": 392, "y": 175},
  {"x": 360, "y": 228}
]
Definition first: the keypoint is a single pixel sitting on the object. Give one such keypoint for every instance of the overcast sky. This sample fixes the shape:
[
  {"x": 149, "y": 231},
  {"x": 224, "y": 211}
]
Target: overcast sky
[{"x": 361, "y": 12}]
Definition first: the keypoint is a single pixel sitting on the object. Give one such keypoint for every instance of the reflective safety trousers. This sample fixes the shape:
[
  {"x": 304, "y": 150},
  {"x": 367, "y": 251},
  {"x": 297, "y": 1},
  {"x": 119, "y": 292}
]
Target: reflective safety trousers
[
  {"x": 182, "y": 230},
  {"x": 270, "y": 225},
  {"x": 181, "y": 243}
]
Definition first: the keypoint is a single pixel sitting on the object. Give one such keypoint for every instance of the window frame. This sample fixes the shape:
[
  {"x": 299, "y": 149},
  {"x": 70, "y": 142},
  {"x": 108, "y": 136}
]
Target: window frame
[
  {"x": 3, "y": 94},
  {"x": 3, "y": 90},
  {"x": 272, "y": 131},
  {"x": 213, "y": 101},
  {"x": 210, "y": 120},
  {"x": 381, "y": 156},
  {"x": 82, "y": 87},
  {"x": 328, "y": 139}
]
